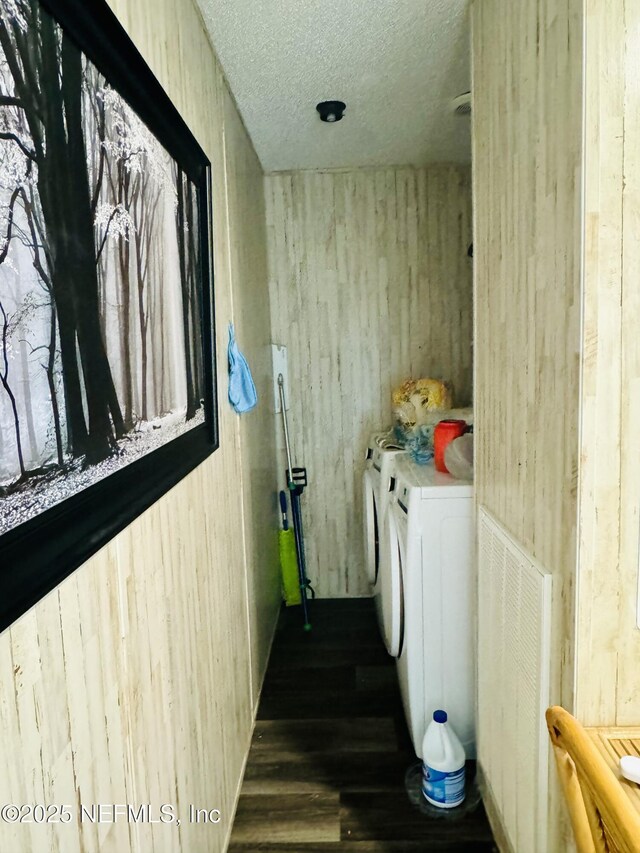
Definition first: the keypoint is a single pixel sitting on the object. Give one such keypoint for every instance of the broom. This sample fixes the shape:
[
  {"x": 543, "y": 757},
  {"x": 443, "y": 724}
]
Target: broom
[
  {"x": 296, "y": 481},
  {"x": 288, "y": 559}
]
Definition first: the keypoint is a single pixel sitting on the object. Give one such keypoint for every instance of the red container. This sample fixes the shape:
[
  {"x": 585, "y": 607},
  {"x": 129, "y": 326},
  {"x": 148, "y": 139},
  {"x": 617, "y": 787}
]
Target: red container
[{"x": 445, "y": 432}]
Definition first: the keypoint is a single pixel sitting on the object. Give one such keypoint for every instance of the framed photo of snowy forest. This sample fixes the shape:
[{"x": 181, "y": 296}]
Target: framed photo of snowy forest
[{"x": 107, "y": 358}]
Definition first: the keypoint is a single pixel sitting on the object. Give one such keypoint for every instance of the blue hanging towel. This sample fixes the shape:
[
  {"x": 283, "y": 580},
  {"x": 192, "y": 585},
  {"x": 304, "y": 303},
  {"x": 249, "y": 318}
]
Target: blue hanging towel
[{"x": 242, "y": 391}]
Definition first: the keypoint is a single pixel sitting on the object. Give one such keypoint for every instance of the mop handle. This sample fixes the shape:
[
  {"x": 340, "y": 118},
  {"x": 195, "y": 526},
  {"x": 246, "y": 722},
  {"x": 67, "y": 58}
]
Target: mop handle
[{"x": 286, "y": 428}]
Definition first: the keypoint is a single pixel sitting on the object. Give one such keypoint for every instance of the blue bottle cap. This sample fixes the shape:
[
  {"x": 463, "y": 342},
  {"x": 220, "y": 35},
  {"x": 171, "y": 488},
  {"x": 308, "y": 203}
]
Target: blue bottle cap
[{"x": 440, "y": 716}]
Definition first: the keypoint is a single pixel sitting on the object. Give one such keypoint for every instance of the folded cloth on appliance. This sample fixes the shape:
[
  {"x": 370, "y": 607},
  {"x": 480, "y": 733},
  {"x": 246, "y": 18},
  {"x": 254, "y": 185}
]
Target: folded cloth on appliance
[
  {"x": 388, "y": 441},
  {"x": 242, "y": 391}
]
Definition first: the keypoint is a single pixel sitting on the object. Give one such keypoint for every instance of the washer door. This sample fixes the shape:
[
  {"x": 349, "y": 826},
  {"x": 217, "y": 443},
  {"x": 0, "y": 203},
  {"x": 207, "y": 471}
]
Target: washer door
[
  {"x": 371, "y": 529},
  {"x": 391, "y": 583}
]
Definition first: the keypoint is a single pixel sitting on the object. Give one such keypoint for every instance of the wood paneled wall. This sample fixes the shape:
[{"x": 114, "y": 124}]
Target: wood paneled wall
[
  {"x": 527, "y": 132},
  {"x": 608, "y": 641},
  {"x": 370, "y": 283},
  {"x": 135, "y": 680},
  {"x": 527, "y": 158},
  {"x": 250, "y": 288}
]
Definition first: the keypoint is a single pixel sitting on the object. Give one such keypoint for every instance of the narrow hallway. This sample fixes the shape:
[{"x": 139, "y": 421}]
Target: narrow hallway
[{"x": 330, "y": 748}]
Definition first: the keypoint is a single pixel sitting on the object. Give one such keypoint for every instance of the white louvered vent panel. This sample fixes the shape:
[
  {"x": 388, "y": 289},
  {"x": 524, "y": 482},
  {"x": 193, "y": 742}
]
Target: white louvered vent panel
[
  {"x": 511, "y": 653},
  {"x": 485, "y": 653},
  {"x": 493, "y": 588},
  {"x": 514, "y": 642}
]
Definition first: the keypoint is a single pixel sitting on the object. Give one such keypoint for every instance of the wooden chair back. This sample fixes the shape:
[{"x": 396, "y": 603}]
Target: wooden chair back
[{"x": 603, "y": 818}]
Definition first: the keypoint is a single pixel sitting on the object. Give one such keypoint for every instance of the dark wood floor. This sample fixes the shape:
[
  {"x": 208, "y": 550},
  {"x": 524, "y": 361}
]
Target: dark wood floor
[{"x": 330, "y": 750}]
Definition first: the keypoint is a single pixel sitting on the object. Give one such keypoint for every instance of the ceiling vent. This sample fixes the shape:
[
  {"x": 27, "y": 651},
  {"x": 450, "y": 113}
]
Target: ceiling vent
[{"x": 462, "y": 104}]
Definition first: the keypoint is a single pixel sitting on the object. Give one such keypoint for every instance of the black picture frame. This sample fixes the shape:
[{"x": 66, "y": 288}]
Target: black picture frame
[{"x": 39, "y": 553}]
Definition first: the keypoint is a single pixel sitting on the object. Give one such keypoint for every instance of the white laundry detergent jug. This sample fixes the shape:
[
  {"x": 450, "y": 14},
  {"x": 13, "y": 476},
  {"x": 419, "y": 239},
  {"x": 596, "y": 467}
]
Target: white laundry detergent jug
[{"x": 442, "y": 764}]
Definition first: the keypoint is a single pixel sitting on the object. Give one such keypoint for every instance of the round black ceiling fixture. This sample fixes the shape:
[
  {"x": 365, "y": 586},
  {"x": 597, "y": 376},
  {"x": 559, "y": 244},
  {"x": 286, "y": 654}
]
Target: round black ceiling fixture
[{"x": 331, "y": 111}]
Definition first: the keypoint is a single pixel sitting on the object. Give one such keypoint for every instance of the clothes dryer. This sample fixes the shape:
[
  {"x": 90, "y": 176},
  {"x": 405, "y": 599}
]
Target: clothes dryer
[
  {"x": 430, "y": 524},
  {"x": 379, "y": 466}
]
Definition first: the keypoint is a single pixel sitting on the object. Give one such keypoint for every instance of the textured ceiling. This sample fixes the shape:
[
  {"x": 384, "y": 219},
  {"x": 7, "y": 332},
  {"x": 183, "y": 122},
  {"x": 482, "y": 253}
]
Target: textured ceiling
[{"x": 396, "y": 63}]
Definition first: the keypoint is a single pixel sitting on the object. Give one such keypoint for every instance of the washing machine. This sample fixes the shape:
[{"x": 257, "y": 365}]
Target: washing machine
[
  {"x": 431, "y": 555},
  {"x": 379, "y": 465}
]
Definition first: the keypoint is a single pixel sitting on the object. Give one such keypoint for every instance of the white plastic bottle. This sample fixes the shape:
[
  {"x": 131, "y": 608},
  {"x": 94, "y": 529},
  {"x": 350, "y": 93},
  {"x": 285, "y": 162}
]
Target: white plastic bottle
[{"x": 442, "y": 764}]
